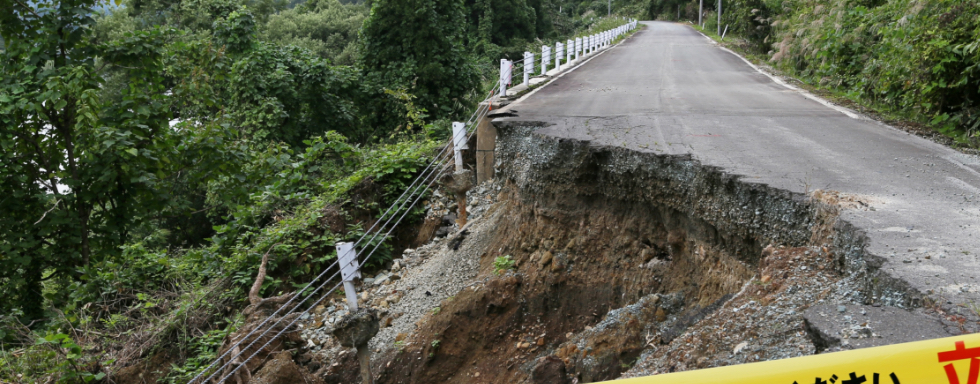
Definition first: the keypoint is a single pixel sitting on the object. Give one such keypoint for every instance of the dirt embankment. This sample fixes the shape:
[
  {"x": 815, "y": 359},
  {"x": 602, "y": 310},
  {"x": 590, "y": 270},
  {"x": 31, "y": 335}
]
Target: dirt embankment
[
  {"x": 624, "y": 264},
  {"x": 618, "y": 255}
]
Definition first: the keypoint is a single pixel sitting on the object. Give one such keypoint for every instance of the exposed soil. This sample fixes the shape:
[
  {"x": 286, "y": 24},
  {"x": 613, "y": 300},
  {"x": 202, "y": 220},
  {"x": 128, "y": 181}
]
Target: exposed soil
[
  {"x": 573, "y": 267},
  {"x": 604, "y": 278},
  {"x": 625, "y": 264}
]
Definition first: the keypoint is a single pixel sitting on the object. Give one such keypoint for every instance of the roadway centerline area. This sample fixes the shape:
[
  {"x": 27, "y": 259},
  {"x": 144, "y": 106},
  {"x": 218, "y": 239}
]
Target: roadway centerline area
[{"x": 670, "y": 91}]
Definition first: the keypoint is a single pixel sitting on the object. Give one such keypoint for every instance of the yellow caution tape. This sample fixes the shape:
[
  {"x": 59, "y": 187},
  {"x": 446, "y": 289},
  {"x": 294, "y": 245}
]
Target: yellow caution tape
[{"x": 951, "y": 360}]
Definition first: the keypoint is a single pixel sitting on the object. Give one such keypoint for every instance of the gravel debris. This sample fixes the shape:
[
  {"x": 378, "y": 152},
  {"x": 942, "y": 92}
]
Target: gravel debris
[
  {"x": 406, "y": 291},
  {"x": 764, "y": 321}
]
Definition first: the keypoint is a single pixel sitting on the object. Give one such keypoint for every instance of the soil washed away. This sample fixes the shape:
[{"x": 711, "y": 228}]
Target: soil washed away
[{"x": 624, "y": 264}]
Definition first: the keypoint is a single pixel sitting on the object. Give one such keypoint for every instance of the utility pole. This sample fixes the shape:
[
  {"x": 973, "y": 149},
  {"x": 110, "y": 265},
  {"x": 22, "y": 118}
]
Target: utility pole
[
  {"x": 609, "y": 8},
  {"x": 701, "y": 13},
  {"x": 719, "y": 17}
]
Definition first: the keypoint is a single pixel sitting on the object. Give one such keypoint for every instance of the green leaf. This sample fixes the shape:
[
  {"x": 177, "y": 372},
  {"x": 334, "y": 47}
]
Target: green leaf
[{"x": 132, "y": 151}]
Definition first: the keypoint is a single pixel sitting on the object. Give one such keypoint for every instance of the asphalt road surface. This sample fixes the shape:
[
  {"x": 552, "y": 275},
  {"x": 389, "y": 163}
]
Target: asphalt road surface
[{"x": 670, "y": 90}]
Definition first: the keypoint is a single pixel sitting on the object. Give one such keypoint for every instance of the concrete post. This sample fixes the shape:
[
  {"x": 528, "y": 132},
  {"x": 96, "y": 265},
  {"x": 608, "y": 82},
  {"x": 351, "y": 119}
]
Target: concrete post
[
  {"x": 719, "y": 17},
  {"x": 545, "y": 58},
  {"x": 558, "y": 55},
  {"x": 486, "y": 143},
  {"x": 569, "y": 47},
  {"x": 505, "y": 68},
  {"x": 459, "y": 144},
  {"x": 355, "y": 330},
  {"x": 578, "y": 47},
  {"x": 349, "y": 271},
  {"x": 528, "y": 58}
]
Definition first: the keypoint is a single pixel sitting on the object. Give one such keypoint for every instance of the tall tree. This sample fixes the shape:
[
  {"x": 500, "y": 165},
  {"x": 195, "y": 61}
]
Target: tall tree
[
  {"x": 79, "y": 169},
  {"x": 418, "y": 45}
]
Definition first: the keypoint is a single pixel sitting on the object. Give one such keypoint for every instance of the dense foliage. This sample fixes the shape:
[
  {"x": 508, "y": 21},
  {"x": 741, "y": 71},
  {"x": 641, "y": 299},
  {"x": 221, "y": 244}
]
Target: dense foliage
[
  {"x": 79, "y": 169},
  {"x": 325, "y": 27},
  {"x": 418, "y": 44},
  {"x": 918, "y": 59},
  {"x": 152, "y": 150},
  {"x": 914, "y": 60}
]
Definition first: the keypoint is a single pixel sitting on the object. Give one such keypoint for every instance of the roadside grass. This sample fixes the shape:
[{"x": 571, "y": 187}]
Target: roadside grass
[{"x": 888, "y": 116}]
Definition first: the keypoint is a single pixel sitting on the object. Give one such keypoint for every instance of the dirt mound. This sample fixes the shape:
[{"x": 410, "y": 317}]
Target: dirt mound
[{"x": 283, "y": 370}]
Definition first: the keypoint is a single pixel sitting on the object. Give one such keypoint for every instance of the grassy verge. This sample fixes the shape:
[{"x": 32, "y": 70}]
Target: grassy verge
[{"x": 893, "y": 118}]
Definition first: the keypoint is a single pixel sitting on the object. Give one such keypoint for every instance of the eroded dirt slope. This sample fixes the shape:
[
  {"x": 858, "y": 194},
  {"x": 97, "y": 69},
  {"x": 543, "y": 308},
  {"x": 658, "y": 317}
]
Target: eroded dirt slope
[{"x": 625, "y": 264}]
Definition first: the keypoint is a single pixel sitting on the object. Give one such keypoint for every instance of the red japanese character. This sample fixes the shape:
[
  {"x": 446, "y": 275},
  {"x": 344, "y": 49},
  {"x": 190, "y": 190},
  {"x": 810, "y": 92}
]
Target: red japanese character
[{"x": 961, "y": 353}]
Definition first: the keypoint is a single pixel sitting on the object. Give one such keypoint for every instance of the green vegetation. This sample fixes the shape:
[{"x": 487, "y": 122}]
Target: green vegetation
[
  {"x": 325, "y": 27},
  {"x": 502, "y": 263},
  {"x": 152, "y": 151},
  {"x": 916, "y": 61},
  {"x": 428, "y": 55}
]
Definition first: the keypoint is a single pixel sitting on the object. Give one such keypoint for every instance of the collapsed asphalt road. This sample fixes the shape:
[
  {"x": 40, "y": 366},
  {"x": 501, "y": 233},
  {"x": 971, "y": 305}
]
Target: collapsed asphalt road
[{"x": 669, "y": 90}]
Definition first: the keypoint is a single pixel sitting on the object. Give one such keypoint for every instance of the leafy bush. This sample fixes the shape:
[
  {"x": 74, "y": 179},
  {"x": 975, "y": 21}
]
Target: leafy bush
[
  {"x": 502, "y": 264},
  {"x": 916, "y": 59},
  {"x": 418, "y": 45},
  {"x": 287, "y": 94},
  {"x": 236, "y": 31},
  {"x": 325, "y": 27}
]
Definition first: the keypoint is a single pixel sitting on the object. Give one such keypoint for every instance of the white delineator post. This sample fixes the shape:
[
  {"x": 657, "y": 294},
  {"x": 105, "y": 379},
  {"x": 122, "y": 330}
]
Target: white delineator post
[
  {"x": 578, "y": 47},
  {"x": 528, "y": 60},
  {"x": 459, "y": 143},
  {"x": 558, "y": 55},
  {"x": 545, "y": 58},
  {"x": 349, "y": 271},
  {"x": 505, "y": 70},
  {"x": 569, "y": 47}
]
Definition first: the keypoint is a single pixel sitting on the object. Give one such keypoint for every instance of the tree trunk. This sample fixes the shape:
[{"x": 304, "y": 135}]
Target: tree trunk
[{"x": 31, "y": 298}]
